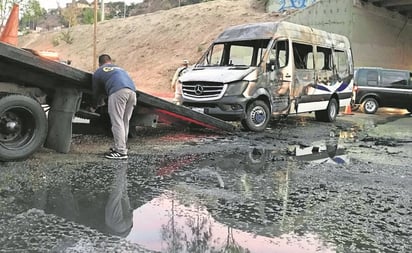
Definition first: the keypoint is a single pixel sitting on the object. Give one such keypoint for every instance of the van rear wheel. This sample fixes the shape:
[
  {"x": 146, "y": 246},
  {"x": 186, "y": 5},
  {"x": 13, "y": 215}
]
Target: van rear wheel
[
  {"x": 328, "y": 115},
  {"x": 370, "y": 106},
  {"x": 257, "y": 116}
]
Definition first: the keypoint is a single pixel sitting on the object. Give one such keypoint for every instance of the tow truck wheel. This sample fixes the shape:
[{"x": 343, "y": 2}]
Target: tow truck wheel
[
  {"x": 257, "y": 116},
  {"x": 23, "y": 127}
]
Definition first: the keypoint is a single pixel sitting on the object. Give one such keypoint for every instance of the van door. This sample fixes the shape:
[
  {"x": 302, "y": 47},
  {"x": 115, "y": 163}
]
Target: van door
[
  {"x": 303, "y": 87},
  {"x": 280, "y": 76}
]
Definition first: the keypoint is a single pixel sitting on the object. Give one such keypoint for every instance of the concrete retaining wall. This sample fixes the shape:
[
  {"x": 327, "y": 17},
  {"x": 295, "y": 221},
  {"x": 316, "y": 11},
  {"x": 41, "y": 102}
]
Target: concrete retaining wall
[{"x": 380, "y": 38}]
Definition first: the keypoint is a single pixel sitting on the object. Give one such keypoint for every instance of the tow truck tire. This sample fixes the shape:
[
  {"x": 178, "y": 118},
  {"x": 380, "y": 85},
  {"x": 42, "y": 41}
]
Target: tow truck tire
[
  {"x": 257, "y": 116},
  {"x": 328, "y": 115},
  {"x": 23, "y": 127}
]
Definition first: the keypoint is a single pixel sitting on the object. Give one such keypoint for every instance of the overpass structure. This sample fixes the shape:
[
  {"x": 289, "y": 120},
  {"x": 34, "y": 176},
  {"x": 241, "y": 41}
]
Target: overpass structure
[
  {"x": 380, "y": 30},
  {"x": 403, "y": 7}
]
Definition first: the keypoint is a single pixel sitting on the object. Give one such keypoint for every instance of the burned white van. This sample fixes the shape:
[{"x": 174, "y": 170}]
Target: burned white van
[{"x": 256, "y": 72}]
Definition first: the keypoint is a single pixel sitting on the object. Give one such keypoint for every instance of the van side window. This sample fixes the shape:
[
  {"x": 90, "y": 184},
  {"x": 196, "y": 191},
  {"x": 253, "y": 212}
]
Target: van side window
[
  {"x": 303, "y": 55},
  {"x": 323, "y": 59},
  {"x": 394, "y": 78},
  {"x": 341, "y": 61}
]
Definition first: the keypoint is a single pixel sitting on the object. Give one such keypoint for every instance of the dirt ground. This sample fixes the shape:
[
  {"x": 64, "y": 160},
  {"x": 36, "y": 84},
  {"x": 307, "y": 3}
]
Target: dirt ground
[
  {"x": 151, "y": 46},
  {"x": 275, "y": 190}
]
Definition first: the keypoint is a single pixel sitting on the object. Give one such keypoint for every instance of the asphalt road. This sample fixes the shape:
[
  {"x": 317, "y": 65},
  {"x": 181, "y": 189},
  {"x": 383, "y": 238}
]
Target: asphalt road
[{"x": 301, "y": 186}]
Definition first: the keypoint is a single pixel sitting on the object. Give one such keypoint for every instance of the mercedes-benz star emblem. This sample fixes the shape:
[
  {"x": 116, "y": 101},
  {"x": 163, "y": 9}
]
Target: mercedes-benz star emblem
[{"x": 198, "y": 89}]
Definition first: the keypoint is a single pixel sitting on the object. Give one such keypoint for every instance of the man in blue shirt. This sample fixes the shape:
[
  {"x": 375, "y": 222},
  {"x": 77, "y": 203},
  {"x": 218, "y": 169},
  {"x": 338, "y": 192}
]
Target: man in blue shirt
[{"x": 114, "y": 82}]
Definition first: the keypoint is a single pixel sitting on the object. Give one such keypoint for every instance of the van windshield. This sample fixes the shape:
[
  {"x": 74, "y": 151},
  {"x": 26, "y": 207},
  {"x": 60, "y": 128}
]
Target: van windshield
[{"x": 236, "y": 53}]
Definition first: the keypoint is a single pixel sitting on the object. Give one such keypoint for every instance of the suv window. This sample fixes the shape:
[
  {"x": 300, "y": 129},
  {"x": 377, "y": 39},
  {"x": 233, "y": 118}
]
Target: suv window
[
  {"x": 367, "y": 77},
  {"x": 394, "y": 78}
]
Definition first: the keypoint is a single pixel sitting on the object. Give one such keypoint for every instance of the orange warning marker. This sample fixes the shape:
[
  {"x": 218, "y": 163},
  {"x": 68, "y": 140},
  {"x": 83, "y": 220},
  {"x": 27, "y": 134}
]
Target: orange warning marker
[
  {"x": 10, "y": 31},
  {"x": 348, "y": 110}
]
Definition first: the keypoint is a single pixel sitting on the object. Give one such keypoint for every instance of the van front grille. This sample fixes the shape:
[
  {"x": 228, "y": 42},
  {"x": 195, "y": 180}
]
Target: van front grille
[{"x": 203, "y": 90}]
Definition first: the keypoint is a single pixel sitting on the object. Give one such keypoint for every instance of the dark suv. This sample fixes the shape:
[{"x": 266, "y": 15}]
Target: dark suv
[{"x": 379, "y": 87}]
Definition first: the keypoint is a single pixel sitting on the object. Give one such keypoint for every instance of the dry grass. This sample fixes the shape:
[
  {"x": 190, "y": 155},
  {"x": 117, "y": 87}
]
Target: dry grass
[{"x": 151, "y": 46}]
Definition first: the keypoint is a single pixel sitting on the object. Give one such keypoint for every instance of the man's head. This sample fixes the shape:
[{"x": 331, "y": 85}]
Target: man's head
[{"x": 104, "y": 58}]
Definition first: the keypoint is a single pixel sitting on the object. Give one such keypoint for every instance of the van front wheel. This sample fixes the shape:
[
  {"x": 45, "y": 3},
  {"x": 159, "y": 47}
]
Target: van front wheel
[
  {"x": 328, "y": 115},
  {"x": 257, "y": 116}
]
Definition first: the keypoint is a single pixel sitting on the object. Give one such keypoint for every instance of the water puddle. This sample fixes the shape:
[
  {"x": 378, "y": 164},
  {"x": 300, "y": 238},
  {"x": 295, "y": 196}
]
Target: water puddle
[
  {"x": 168, "y": 224},
  {"x": 213, "y": 203}
]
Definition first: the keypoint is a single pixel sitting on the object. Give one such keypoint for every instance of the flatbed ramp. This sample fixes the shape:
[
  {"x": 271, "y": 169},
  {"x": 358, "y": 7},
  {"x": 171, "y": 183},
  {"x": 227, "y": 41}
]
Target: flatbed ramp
[{"x": 171, "y": 113}]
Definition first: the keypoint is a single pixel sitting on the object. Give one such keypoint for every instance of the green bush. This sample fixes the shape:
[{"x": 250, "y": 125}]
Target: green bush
[
  {"x": 67, "y": 36},
  {"x": 56, "y": 41}
]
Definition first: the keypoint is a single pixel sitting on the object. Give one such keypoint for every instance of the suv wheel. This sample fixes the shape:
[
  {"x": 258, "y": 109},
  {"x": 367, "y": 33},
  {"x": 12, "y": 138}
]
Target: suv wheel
[
  {"x": 257, "y": 116},
  {"x": 370, "y": 105}
]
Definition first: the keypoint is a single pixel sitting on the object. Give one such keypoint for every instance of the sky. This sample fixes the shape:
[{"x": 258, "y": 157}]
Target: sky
[{"x": 52, "y": 4}]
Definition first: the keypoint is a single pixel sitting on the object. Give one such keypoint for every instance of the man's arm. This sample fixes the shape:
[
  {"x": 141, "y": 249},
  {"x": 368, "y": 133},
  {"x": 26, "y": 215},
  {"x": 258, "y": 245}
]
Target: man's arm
[{"x": 98, "y": 92}]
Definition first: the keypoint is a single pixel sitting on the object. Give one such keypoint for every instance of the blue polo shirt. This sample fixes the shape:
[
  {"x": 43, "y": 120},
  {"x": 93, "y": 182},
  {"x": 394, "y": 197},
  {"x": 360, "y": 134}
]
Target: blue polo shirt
[{"x": 111, "y": 78}]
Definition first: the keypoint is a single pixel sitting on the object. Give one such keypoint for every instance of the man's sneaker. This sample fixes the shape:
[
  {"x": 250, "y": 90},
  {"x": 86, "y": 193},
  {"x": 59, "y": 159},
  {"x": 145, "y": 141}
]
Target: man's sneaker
[{"x": 115, "y": 155}]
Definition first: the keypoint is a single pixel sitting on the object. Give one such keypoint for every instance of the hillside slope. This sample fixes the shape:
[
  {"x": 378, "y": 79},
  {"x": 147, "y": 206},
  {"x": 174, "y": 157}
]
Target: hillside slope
[{"x": 151, "y": 46}]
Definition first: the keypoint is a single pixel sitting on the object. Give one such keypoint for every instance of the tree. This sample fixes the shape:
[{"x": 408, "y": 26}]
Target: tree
[
  {"x": 87, "y": 16},
  {"x": 32, "y": 12},
  {"x": 70, "y": 14}
]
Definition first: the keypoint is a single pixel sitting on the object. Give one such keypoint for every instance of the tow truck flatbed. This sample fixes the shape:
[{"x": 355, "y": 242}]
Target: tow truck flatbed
[{"x": 66, "y": 90}]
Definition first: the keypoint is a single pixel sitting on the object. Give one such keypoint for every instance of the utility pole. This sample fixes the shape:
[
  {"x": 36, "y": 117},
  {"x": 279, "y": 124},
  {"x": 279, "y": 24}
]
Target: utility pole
[
  {"x": 102, "y": 19},
  {"x": 124, "y": 10},
  {"x": 95, "y": 36}
]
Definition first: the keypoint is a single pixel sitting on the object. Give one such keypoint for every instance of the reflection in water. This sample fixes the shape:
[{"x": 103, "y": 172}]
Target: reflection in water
[
  {"x": 118, "y": 213},
  {"x": 166, "y": 225},
  {"x": 329, "y": 152},
  {"x": 100, "y": 202},
  {"x": 236, "y": 202}
]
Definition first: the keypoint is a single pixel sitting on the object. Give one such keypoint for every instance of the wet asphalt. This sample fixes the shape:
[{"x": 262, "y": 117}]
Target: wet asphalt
[{"x": 301, "y": 186}]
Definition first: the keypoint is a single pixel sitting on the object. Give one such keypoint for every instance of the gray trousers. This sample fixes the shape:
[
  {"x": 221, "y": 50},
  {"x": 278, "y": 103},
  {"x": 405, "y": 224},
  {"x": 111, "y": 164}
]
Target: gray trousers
[{"x": 120, "y": 108}]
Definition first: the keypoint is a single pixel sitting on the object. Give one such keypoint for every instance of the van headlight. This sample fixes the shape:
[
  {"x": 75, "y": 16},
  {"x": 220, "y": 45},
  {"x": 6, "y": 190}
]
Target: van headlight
[{"x": 236, "y": 88}]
